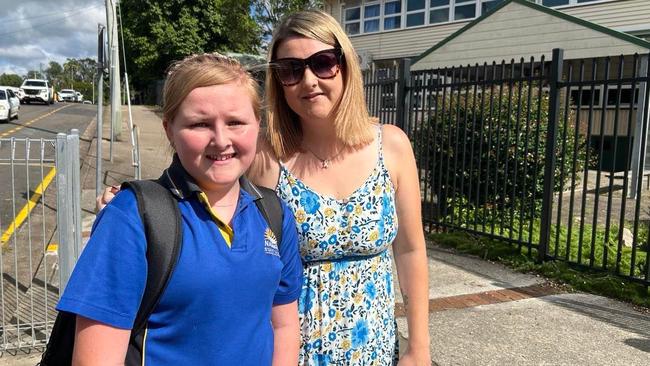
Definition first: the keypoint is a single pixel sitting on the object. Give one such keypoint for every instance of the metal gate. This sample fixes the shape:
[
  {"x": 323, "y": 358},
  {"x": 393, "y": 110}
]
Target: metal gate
[{"x": 41, "y": 234}]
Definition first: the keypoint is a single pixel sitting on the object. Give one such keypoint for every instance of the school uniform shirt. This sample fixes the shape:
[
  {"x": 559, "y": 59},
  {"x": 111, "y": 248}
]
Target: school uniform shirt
[{"x": 216, "y": 309}]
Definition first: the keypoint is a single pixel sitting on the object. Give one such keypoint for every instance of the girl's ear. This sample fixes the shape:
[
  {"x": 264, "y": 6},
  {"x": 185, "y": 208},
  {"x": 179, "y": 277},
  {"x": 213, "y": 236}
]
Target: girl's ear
[{"x": 168, "y": 131}]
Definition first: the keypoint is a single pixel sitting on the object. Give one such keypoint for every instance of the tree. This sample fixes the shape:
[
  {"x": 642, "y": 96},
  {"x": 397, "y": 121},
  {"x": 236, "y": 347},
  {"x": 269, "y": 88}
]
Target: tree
[
  {"x": 54, "y": 73},
  {"x": 10, "y": 80},
  {"x": 158, "y": 33},
  {"x": 269, "y": 13},
  {"x": 33, "y": 74}
]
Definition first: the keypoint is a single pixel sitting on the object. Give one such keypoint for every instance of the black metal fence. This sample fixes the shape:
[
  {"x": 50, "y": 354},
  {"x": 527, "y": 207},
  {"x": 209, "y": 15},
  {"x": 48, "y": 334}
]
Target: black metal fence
[{"x": 541, "y": 153}]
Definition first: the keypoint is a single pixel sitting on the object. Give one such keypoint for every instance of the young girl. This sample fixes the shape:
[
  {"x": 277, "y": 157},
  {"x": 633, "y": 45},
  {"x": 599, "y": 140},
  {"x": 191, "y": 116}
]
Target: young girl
[{"x": 231, "y": 299}]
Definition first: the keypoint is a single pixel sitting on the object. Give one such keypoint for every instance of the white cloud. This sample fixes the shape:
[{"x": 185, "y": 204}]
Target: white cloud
[{"x": 36, "y": 32}]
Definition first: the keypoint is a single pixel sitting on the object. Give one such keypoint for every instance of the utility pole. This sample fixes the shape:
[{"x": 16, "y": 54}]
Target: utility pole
[
  {"x": 114, "y": 58},
  {"x": 100, "y": 106}
]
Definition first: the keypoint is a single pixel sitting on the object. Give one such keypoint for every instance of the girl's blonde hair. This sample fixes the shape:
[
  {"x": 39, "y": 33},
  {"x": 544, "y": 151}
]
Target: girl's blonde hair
[
  {"x": 352, "y": 122},
  {"x": 207, "y": 69}
]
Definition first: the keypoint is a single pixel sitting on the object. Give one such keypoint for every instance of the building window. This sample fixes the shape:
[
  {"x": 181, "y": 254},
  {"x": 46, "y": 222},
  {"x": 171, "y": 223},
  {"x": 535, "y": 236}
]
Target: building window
[
  {"x": 392, "y": 15},
  {"x": 439, "y": 11},
  {"x": 352, "y": 20},
  {"x": 625, "y": 98},
  {"x": 415, "y": 10},
  {"x": 369, "y": 16},
  {"x": 487, "y": 5},
  {"x": 465, "y": 9},
  {"x": 585, "y": 97}
]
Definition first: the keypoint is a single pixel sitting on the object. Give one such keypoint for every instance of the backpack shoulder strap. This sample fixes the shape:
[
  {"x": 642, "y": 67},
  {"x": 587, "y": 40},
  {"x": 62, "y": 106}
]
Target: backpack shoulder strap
[
  {"x": 162, "y": 226},
  {"x": 269, "y": 205}
]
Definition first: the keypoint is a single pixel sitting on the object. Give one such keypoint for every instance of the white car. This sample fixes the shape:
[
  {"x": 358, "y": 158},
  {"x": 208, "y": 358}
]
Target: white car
[
  {"x": 67, "y": 95},
  {"x": 80, "y": 97},
  {"x": 37, "y": 90},
  {"x": 18, "y": 92},
  {"x": 9, "y": 104}
]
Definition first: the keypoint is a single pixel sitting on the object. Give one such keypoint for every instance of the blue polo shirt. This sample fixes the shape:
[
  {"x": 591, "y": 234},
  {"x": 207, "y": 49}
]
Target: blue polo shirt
[{"x": 216, "y": 309}]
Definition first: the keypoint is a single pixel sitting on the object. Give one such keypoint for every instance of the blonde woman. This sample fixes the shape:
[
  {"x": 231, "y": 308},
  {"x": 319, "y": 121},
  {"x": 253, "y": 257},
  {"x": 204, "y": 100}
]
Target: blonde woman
[
  {"x": 231, "y": 299},
  {"x": 353, "y": 187}
]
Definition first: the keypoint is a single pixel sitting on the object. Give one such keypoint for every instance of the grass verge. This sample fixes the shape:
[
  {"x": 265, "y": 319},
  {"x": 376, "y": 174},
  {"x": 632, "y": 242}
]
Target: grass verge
[{"x": 577, "y": 278}]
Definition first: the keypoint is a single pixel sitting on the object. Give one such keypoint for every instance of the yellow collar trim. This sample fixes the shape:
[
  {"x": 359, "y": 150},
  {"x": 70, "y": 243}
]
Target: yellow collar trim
[{"x": 225, "y": 229}]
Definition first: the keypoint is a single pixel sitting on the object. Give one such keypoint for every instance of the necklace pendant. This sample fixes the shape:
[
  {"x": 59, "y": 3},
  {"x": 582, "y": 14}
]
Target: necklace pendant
[{"x": 325, "y": 164}]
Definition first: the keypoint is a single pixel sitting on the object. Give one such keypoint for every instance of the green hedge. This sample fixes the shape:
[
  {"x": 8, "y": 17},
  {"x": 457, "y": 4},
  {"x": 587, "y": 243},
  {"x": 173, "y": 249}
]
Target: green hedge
[{"x": 488, "y": 148}]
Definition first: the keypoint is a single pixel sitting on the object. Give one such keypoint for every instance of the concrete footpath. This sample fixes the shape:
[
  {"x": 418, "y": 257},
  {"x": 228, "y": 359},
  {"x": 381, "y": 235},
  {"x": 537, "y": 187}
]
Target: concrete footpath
[{"x": 481, "y": 313}]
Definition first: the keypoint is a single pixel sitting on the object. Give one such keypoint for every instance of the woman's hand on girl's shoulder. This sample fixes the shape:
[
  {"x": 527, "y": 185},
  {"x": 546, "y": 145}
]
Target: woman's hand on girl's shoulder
[{"x": 102, "y": 200}]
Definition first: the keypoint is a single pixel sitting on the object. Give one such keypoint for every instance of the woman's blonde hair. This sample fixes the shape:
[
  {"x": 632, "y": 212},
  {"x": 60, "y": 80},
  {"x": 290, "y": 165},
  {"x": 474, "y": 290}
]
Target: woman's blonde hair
[
  {"x": 351, "y": 119},
  {"x": 202, "y": 70}
]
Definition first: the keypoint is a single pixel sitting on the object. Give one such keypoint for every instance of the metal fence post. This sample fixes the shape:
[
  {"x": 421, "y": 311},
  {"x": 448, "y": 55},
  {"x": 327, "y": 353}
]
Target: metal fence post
[
  {"x": 549, "y": 166},
  {"x": 64, "y": 210},
  {"x": 68, "y": 203},
  {"x": 403, "y": 89},
  {"x": 75, "y": 189}
]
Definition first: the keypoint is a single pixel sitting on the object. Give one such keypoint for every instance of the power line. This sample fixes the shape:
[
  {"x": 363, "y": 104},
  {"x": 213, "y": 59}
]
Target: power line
[{"x": 46, "y": 23}]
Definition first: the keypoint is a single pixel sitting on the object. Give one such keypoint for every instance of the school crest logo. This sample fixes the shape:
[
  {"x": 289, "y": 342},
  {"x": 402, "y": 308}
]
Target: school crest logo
[{"x": 270, "y": 243}]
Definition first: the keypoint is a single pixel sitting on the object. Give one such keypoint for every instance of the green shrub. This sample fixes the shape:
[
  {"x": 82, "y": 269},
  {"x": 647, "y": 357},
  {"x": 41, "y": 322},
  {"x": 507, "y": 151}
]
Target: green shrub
[{"x": 489, "y": 148}]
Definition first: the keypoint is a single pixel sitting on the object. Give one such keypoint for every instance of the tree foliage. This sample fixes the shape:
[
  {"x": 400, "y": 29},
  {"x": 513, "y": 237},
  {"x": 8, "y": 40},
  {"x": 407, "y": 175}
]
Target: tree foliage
[
  {"x": 33, "y": 74},
  {"x": 77, "y": 74},
  {"x": 10, "y": 80},
  {"x": 157, "y": 33},
  {"x": 269, "y": 13}
]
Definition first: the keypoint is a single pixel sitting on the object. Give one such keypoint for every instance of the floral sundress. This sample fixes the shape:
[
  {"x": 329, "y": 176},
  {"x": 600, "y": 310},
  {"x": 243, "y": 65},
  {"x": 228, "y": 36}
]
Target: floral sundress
[{"x": 347, "y": 303}]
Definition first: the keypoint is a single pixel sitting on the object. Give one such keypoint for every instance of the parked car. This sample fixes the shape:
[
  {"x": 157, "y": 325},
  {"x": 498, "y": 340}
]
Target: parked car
[
  {"x": 9, "y": 104},
  {"x": 68, "y": 95},
  {"x": 80, "y": 97},
  {"x": 37, "y": 90},
  {"x": 18, "y": 92}
]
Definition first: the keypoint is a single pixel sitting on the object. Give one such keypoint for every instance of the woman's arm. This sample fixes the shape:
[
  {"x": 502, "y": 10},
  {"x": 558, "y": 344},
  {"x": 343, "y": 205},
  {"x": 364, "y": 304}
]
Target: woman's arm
[
  {"x": 409, "y": 247},
  {"x": 286, "y": 334},
  {"x": 98, "y": 344}
]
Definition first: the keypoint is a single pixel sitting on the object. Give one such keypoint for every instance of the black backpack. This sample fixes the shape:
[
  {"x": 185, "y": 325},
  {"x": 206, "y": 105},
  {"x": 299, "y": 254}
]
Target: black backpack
[{"x": 155, "y": 203}]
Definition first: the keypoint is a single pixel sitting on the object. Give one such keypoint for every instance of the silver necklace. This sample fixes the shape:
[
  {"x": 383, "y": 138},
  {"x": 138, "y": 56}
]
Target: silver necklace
[{"x": 325, "y": 163}]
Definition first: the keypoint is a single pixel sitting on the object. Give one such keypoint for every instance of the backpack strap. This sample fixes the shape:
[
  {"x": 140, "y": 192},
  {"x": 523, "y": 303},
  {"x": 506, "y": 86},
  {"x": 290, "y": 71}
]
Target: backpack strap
[
  {"x": 268, "y": 204},
  {"x": 162, "y": 226}
]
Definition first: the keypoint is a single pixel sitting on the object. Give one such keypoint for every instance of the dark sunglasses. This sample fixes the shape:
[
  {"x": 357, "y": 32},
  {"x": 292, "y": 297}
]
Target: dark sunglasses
[{"x": 324, "y": 64}]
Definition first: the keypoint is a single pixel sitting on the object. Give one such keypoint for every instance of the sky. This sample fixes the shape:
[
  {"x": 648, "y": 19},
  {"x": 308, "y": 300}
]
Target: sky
[{"x": 35, "y": 32}]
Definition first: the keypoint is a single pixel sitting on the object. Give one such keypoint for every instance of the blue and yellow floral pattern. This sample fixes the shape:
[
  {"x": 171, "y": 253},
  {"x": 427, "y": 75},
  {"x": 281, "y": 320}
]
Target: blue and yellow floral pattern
[{"x": 347, "y": 301}]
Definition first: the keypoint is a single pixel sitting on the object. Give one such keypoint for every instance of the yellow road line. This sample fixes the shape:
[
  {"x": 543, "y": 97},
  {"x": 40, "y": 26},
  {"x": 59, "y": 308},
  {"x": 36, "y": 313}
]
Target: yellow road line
[
  {"x": 15, "y": 129},
  {"x": 24, "y": 212}
]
